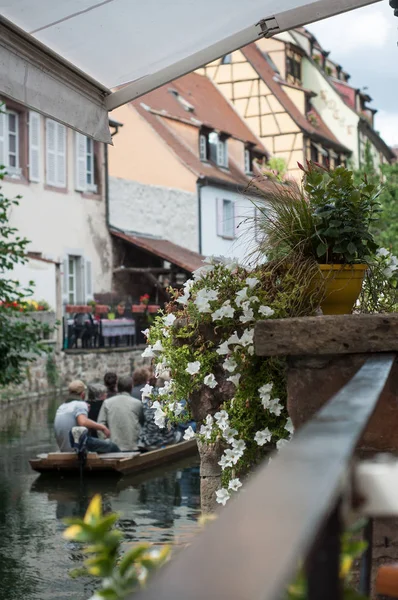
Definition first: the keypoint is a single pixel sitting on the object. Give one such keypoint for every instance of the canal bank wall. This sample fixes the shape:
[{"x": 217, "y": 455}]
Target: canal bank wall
[{"x": 52, "y": 373}]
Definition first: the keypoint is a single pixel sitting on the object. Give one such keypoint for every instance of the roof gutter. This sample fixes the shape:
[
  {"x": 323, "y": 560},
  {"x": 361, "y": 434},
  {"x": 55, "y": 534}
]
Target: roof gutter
[{"x": 116, "y": 125}]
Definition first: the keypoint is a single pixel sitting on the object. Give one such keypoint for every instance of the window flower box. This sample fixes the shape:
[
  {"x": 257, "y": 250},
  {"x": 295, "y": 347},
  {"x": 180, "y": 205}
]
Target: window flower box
[
  {"x": 139, "y": 308},
  {"x": 153, "y": 308},
  {"x": 101, "y": 309},
  {"x": 72, "y": 308}
]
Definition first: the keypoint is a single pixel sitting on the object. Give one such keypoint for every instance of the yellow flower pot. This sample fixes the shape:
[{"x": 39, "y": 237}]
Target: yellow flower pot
[{"x": 342, "y": 284}]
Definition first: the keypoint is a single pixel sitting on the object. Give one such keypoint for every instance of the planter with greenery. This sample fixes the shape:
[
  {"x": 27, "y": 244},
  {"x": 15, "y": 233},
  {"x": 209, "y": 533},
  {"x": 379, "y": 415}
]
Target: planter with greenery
[{"x": 327, "y": 221}]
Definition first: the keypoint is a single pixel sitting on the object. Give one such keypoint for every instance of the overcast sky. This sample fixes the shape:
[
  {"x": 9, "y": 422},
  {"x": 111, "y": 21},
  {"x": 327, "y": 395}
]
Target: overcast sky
[{"x": 364, "y": 42}]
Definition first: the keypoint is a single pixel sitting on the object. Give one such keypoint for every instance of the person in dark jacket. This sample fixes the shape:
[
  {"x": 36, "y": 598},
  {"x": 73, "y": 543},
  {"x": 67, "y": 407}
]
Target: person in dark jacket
[
  {"x": 110, "y": 381},
  {"x": 97, "y": 393}
]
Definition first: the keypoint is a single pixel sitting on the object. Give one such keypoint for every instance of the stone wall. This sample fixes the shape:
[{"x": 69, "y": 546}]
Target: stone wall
[
  {"x": 53, "y": 372},
  {"x": 160, "y": 211}
]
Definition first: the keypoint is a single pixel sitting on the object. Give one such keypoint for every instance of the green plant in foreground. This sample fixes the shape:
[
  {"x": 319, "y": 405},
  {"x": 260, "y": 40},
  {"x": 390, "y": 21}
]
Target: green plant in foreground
[
  {"x": 329, "y": 219},
  {"x": 120, "y": 575}
]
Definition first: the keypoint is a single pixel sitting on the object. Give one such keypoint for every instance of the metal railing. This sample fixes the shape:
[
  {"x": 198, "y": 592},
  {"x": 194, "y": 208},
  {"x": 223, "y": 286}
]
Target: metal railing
[{"x": 289, "y": 511}]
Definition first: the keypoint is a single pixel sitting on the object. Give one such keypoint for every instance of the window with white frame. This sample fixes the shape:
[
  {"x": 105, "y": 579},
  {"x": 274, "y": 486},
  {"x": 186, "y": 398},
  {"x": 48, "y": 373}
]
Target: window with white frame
[
  {"x": 9, "y": 141},
  {"x": 226, "y": 227},
  {"x": 248, "y": 161},
  {"x": 56, "y": 135},
  {"x": 85, "y": 164},
  {"x": 218, "y": 149},
  {"x": 77, "y": 277}
]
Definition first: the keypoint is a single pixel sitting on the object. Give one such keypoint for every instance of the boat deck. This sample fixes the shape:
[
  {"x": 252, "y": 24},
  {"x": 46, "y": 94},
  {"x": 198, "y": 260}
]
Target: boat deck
[{"x": 122, "y": 463}]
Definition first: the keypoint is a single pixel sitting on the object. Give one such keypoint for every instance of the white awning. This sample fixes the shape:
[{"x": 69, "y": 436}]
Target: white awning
[{"x": 89, "y": 47}]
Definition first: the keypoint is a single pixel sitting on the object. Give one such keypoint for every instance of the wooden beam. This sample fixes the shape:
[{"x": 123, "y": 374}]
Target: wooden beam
[
  {"x": 153, "y": 270},
  {"x": 339, "y": 334}
]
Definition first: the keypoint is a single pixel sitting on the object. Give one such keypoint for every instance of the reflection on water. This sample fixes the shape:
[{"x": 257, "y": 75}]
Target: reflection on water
[{"x": 160, "y": 507}]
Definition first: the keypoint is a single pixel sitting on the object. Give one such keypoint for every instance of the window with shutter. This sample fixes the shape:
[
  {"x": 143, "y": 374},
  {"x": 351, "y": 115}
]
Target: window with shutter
[
  {"x": 9, "y": 141},
  {"x": 56, "y": 135},
  {"x": 228, "y": 219},
  {"x": 80, "y": 149},
  {"x": 34, "y": 146},
  {"x": 65, "y": 281},
  {"x": 222, "y": 153}
]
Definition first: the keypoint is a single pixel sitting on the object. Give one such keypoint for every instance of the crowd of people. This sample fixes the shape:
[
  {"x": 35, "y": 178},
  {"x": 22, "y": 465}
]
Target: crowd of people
[{"x": 119, "y": 417}]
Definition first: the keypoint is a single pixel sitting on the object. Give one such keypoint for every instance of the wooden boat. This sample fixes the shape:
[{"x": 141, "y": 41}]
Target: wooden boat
[{"x": 122, "y": 463}]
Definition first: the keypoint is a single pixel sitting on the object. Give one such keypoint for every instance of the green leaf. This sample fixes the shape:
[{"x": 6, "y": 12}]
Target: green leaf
[
  {"x": 352, "y": 249},
  {"x": 321, "y": 249}
]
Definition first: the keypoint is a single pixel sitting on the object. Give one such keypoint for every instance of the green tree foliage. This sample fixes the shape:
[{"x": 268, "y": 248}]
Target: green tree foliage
[
  {"x": 386, "y": 230},
  {"x": 20, "y": 336}
]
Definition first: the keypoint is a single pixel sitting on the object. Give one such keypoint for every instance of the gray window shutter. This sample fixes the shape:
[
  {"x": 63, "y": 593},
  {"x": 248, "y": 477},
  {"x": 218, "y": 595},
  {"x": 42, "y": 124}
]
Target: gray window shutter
[
  {"x": 3, "y": 136},
  {"x": 65, "y": 280},
  {"x": 51, "y": 177},
  {"x": 34, "y": 146},
  {"x": 80, "y": 162},
  {"x": 89, "y": 280},
  {"x": 61, "y": 155},
  {"x": 220, "y": 216}
]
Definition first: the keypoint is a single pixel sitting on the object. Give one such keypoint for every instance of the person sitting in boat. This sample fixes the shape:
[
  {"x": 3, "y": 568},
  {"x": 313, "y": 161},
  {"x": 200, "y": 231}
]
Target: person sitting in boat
[
  {"x": 74, "y": 411},
  {"x": 141, "y": 376},
  {"x": 123, "y": 415},
  {"x": 152, "y": 436},
  {"x": 110, "y": 381},
  {"x": 97, "y": 393}
]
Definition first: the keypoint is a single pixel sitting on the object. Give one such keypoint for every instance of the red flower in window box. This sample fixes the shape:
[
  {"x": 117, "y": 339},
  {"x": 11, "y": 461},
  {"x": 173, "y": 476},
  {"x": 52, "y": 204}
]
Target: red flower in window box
[{"x": 144, "y": 299}]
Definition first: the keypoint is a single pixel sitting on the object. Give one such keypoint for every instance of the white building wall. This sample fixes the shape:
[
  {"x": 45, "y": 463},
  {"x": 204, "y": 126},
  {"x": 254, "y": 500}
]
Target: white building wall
[
  {"x": 43, "y": 274},
  {"x": 58, "y": 222},
  {"x": 243, "y": 245},
  {"x": 342, "y": 121},
  {"x": 163, "y": 212}
]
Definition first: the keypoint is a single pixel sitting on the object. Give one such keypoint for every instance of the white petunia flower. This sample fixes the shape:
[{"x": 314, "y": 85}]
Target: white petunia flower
[
  {"x": 247, "y": 337},
  {"x": 166, "y": 389},
  {"x": 209, "y": 420},
  {"x": 158, "y": 346},
  {"x": 241, "y": 296},
  {"x": 382, "y": 252},
  {"x": 250, "y": 350},
  {"x": 233, "y": 339},
  {"x": 202, "y": 272},
  {"x": 229, "y": 434},
  {"x": 266, "y": 311},
  {"x": 207, "y": 294},
  {"x": 254, "y": 299},
  {"x": 178, "y": 408},
  {"x": 252, "y": 282},
  {"x": 206, "y": 430},
  {"x": 281, "y": 443},
  {"x": 262, "y": 437},
  {"x": 222, "y": 496},
  {"x": 225, "y": 462},
  {"x": 223, "y": 349},
  {"x": 234, "y": 455},
  {"x": 234, "y": 379},
  {"x": 145, "y": 332},
  {"x": 146, "y": 391},
  {"x": 193, "y": 367},
  {"x": 189, "y": 434},
  {"x": 202, "y": 305},
  {"x": 225, "y": 311},
  {"x": 210, "y": 381},
  {"x": 148, "y": 352},
  {"x": 274, "y": 407},
  {"x": 289, "y": 426},
  {"x": 169, "y": 320},
  {"x": 265, "y": 389},
  {"x": 160, "y": 415},
  {"x": 166, "y": 332},
  {"x": 239, "y": 446},
  {"x": 248, "y": 315},
  {"x": 234, "y": 484},
  {"x": 230, "y": 364},
  {"x": 184, "y": 298},
  {"x": 222, "y": 419}
]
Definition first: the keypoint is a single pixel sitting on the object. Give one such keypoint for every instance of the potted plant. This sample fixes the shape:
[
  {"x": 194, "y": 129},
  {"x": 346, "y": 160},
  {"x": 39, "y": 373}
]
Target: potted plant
[
  {"x": 142, "y": 307},
  {"x": 327, "y": 221}
]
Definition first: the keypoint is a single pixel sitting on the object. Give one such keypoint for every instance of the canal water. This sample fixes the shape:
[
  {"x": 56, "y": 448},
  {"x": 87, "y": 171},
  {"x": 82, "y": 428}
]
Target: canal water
[{"x": 161, "y": 507}]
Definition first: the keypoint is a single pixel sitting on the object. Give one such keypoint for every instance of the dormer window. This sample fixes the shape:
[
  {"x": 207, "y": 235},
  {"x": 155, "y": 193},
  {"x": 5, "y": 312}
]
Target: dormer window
[
  {"x": 218, "y": 149},
  {"x": 293, "y": 66}
]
